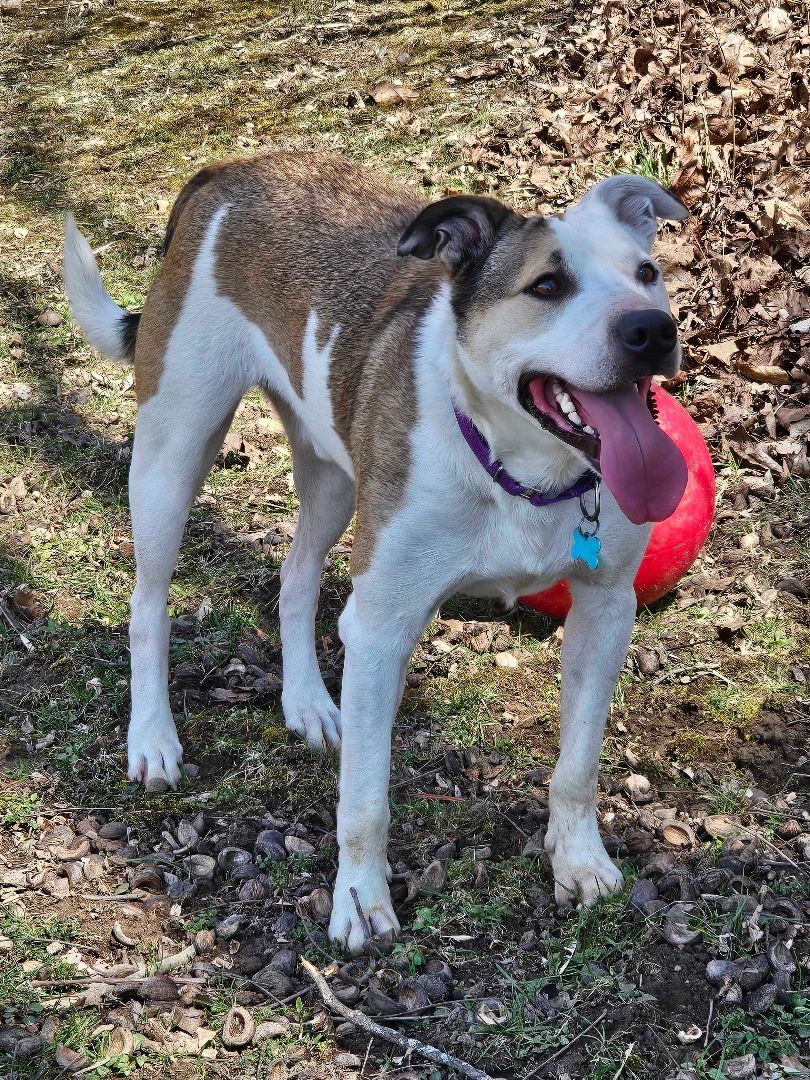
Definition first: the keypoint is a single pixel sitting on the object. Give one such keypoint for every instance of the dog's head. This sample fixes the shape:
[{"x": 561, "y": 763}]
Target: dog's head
[{"x": 566, "y": 320}]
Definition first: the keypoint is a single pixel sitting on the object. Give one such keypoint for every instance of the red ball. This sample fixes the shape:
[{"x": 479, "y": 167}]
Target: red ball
[{"x": 675, "y": 542}]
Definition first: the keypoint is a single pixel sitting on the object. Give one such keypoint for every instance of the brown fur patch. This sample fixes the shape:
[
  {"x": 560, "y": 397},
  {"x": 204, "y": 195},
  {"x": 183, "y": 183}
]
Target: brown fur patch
[
  {"x": 306, "y": 232},
  {"x": 159, "y": 317},
  {"x": 378, "y": 416}
]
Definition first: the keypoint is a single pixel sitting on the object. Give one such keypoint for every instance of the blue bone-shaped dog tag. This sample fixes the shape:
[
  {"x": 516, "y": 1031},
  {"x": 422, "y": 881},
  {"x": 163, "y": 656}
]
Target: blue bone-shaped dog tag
[{"x": 586, "y": 549}]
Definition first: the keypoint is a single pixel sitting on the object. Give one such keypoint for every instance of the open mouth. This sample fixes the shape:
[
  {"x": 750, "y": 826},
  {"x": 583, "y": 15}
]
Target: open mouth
[
  {"x": 617, "y": 430},
  {"x": 557, "y": 406}
]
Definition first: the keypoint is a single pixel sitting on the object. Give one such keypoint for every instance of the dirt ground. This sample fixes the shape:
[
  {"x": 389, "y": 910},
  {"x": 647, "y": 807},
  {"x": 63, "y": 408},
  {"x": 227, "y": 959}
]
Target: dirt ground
[{"x": 162, "y": 935}]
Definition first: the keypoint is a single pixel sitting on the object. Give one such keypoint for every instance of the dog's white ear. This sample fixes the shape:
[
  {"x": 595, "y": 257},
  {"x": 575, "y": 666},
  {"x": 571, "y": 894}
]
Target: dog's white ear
[
  {"x": 458, "y": 230},
  {"x": 636, "y": 202}
]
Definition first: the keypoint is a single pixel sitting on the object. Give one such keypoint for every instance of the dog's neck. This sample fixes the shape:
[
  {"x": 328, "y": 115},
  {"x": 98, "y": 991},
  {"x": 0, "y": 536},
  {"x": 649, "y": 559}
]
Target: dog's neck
[{"x": 531, "y": 455}]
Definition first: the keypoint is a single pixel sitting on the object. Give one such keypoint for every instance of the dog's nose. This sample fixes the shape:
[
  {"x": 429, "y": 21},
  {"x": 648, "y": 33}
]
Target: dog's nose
[{"x": 647, "y": 335}]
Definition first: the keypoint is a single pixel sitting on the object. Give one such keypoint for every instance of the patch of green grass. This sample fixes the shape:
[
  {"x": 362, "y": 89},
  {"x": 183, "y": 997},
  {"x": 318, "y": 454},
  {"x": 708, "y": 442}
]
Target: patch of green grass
[
  {"x": 284, "y": 875},
  {"x": 20, "y": 1002},
  {"x": 733, "y": 704},
  {"x": 203, "y": 920},
  {"x": 510, "y": 879},
  {"x": 770, "y": 636},
  {"x": 523, "y": 1030},
  {"x": 644, "y": 158},
  {"x": 462, "y": 913},
  {"x": 592, "y": 939},
  {"x": 409, "y": 955},
  {"x": 439, "y": 816},
  {"x": 614, "y": 1057},
  {"x": 728, "y": 800},
  {"x": 776, "y": 1034},
  {"x": 18, "y": 807},
  {"x": 798, "y": 886}
]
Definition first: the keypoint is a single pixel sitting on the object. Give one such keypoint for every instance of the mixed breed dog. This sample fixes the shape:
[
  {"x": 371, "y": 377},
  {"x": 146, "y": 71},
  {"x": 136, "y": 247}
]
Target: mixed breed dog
[{"x": 471, "y": 383}]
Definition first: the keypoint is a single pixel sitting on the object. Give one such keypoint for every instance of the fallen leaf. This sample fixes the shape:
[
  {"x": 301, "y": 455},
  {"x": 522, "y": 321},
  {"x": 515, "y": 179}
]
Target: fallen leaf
[
  {"x": 386, "y": 93},
  {"x": 767, "y": 373}
]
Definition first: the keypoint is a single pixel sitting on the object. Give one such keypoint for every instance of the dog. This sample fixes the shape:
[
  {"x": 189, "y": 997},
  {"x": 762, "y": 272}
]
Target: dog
[{"x": 471, "y": 383}]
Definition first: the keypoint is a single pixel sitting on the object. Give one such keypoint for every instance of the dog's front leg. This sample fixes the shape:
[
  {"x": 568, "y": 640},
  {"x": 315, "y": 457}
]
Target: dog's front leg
[
  {"x": 379, "y": 639},
  {"x": 597, "y": 635}
]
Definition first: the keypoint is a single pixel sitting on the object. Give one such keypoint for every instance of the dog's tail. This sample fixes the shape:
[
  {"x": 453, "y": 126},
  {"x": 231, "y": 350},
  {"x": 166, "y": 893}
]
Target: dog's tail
[{"x": 106, "y": 326}]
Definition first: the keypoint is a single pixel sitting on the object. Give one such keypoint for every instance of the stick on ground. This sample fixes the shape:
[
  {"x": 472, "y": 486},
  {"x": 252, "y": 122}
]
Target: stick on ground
[{"x": 412, "y": 1046}]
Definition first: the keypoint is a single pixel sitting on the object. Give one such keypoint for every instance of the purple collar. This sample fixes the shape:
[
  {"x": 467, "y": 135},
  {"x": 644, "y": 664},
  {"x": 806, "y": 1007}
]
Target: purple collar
[{"x": 480, "y": 447}]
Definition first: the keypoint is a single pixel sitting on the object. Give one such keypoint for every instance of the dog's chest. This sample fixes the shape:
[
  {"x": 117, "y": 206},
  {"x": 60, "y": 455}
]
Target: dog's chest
[
  {"x": 515, "y": 549},
  {"x": 509, "y": 548}
]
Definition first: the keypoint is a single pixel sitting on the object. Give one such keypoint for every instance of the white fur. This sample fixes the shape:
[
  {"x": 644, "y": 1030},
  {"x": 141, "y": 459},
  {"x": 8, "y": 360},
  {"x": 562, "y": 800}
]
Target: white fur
[
  {"x": 316, "y": 407},
  {"x": 94, "y": 310}
]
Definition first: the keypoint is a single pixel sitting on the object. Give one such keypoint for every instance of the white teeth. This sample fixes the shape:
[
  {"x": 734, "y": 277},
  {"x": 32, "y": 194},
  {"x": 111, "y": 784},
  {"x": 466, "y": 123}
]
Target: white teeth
[{"x": 568, "y": 408}]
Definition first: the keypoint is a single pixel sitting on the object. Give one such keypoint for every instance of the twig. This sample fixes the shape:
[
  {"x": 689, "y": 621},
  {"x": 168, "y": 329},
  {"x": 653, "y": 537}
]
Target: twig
[
  {"x": 438, "y": 798},
  {"x": 360, "y": 914},
  {"x": 410, "y": 1046},
  {"x": 115, "y": 897},
  {"x": 625, "y": 1058},
  {"x": 101, "y": 1061},
  {"x": 680, "y": 66},
  {"x": 709, "y": 1021},
  {"x": 567, "y": 1046},
  {"x": 169, "y": 963},
  {"x": 181, "y": 980},
  {"x": 62, "y": 941}
]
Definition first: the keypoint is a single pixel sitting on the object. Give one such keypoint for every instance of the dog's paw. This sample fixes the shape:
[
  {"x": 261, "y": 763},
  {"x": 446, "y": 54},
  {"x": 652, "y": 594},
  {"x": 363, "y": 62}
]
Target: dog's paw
[
  {"x": 313, "y": 716},
  {"x": 374, "y": 900},
  {"x": 154, "y": 756},
  {"x": 582, "y": 869}
]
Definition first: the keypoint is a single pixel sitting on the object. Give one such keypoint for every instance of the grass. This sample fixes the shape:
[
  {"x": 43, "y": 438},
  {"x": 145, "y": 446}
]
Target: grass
[
  {"x": 589, "y": 954},
  {"x": 778, "y": 1034},
  {"x": 26, "y": 943},
  {"x": 644, "y": 158},
  {"x": 18, "y": 807}
]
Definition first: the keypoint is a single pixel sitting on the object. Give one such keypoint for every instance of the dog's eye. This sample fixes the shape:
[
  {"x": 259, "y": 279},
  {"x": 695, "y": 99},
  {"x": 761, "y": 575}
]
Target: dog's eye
[
  {"x": 647, "y": 273},
  {"x": 547, "y": 285}
]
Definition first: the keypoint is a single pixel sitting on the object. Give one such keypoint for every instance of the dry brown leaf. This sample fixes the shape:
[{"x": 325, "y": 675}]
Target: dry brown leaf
[
  {"x": 739, "y": 54},
  {"x": 774, "y": 23},
  {"x": 477, "y": 71},
  {"x": 779, "y": 213},
  {"x": 767, "y": 373},
  {"x": 722, "y": 350},
  {"x": 386, "y": 93},
  {"x": 27, "y": 603}
]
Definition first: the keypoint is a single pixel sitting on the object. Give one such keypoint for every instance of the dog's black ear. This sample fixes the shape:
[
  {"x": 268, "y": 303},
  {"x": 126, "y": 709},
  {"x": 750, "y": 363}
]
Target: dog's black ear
[
  {"x": 637, "y": 203},
  {"x": 458, "y": 230}
]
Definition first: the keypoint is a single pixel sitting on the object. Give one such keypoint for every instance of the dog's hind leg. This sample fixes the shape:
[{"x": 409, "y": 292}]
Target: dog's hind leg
[
  {"x": 326, "y": 496},
  {"x": 177, "y": 436}
]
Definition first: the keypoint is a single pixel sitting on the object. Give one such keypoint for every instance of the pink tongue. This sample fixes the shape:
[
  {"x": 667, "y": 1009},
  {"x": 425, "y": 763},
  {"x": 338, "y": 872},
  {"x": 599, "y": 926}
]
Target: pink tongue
[{"x": 641, "y": 465}]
